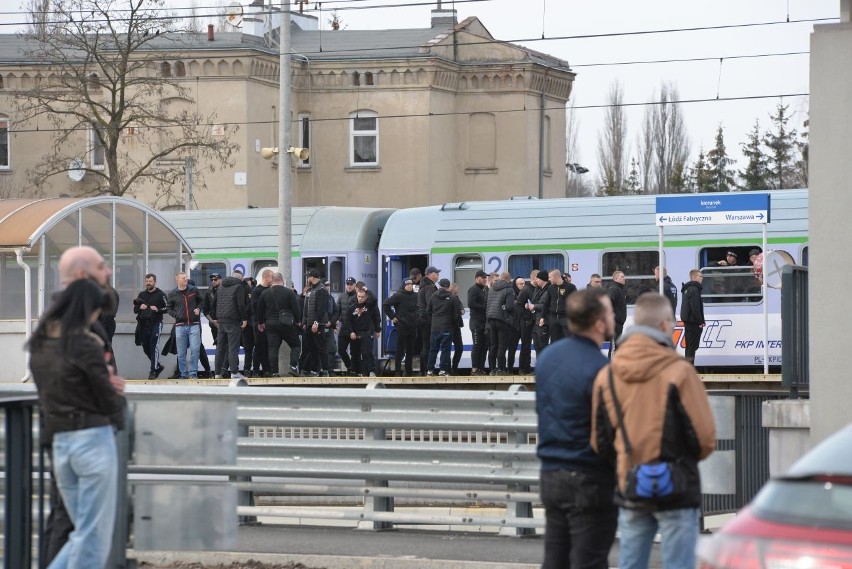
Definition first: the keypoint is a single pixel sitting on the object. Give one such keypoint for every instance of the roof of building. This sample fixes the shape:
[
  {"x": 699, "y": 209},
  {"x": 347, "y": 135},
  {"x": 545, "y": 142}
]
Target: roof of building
[{"x": 320, "y": 45}]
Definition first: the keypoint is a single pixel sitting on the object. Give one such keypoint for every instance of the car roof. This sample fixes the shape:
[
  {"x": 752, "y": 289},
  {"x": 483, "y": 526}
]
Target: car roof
[{"x": 833, "y": 456}]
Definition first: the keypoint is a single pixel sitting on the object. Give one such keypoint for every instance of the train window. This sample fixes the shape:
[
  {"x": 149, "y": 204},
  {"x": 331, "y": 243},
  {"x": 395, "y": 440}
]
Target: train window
[
  {"x": 638, "y": 269},
  {"x": 464, "y": 273},
  {"x": 523, "y": 265},
  {"x": 335, "y": 274},
  {"x": 728, "y": 283},
  {"x": 805, "y": 256},
  {"x": 318, "y": 263},
  {"x": 201, "y": 273},
  {"x": 258, "y": 266}
]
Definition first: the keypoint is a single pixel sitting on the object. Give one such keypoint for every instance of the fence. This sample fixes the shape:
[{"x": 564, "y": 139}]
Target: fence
[
  {"x": 377, "y": 446},
  {"x": 794, "y": 327}
]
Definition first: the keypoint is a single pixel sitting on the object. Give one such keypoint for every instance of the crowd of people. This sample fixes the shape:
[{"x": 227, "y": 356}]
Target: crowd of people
[
  {"x": 508, "y": 319},
  {"x": 591, "y": 469}
]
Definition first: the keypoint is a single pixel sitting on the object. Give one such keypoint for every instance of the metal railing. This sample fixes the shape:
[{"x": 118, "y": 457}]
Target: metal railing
[
  {"x": 794, "y": 327},
  {"x": 375, "y": 448},
  {"x": 19, "y": 489}
]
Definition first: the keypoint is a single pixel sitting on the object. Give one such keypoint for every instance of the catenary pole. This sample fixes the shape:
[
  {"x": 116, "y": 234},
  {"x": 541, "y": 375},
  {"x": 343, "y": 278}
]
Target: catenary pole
[{"x": 285, "y": 194}]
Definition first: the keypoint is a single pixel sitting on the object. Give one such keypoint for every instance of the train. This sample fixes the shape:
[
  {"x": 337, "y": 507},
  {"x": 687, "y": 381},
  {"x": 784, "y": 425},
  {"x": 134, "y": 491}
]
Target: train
[{"x": 579, "y": 236}]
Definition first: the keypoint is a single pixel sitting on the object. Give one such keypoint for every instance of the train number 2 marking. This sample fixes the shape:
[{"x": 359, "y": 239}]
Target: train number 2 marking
[{"x": 498, "y": 264}]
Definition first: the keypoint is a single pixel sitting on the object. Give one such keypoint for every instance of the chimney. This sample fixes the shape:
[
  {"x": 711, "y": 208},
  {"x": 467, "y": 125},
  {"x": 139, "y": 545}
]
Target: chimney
[
  {"x": 444, "y": 18},
  {"x": 209, "y": 32}
]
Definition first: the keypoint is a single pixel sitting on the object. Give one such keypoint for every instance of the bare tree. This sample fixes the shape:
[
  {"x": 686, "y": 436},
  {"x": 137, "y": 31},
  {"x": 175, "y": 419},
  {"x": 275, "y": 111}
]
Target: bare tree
[
  {"x": 671, "y": 148},
  {"x": 37, "y": 12},
  {"x": 102, "y": 80},
  {"x": 612, "y": 145},
  {"x": 645, "y": 146}
]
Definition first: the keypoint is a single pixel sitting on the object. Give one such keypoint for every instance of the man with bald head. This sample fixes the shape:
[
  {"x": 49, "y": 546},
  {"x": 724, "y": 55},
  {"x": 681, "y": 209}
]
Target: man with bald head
[{"x": 83, "y": 263}]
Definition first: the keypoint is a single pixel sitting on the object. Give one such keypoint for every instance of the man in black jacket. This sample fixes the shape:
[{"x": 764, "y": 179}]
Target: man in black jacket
[
  {"x": 692, "y": 313},
  {"x": 260, "y": 360},
  {"x": 618, "y": 297},
  {"x": 477, "y": 296},
  {"x": 363, "y": 322},
  {"x": 149, "y": 307},
  {"x": 401, "y": 310},
  {"x": 427, "y": 289},
  {"x": 498, "y": 311},
  {"x": 346, "y": 300},
  {"x": 444, "y": 310},
  {"x": 560, "y": 289},
  {"x": 540, "y": 307},
  {"x": 524, "y": 322},
  {"x": 232, "y": 314},
  {"x": 315, "y": 324},
  {"x": 272, "y": 302}
]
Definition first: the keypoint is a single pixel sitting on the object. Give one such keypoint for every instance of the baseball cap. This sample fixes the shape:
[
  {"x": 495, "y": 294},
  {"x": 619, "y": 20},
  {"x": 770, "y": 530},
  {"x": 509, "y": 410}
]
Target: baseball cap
[
  {"x": 731, "y": 254},
  {"x": 350, "y": 281},
  {"x": 407, "y": 282},
  {"x": 431, "y": 269},
  {"x": 215, "y": 276},
  {"x": 314, "y": 273},
  {"x": 444, "y": 283},
  {"x": 481, "y": 273}
]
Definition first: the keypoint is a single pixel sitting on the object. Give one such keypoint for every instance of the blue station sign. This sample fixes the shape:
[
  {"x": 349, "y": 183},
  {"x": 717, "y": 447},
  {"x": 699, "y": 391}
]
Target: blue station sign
[{"x": 708, "y": 209}]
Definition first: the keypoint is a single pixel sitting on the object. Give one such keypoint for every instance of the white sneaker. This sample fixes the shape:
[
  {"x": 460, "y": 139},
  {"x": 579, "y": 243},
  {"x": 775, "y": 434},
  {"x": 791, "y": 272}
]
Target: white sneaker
[
  {"x": 372, "y": 374},
  {"x": 218, "y": 377},
  {"x": 237, "y": 375}
]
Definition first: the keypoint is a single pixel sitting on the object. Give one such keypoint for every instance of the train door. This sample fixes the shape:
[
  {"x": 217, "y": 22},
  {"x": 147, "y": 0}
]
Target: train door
[
  {"x": 336, "y": 274},
  {"x": 395, "y": 269},
  {"x": 311, "y": 263}
]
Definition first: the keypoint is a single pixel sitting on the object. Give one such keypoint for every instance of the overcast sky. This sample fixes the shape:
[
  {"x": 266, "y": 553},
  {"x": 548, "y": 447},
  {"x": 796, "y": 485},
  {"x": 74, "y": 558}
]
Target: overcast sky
[{"x": 519, "y": 20}]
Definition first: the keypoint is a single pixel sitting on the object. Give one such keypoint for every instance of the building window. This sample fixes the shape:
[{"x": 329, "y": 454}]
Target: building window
[
  {"x": 304, "y": 137},
  {"x": 180, "y": 69},
  {"x": 5, "y": 161},
  {"x": 2, "y": 85},
  {"x": 356, "y": 79},
  {"x": 482, "y": 141},
  {"x": 364, "y": 138},
  {"x": 166, "y": 69},
  {"x": 94, "y": 83},
  {"x": 96, "y": 146},
  {"x": 368, "y": 78},
  {"x": 638, "y": 269}
]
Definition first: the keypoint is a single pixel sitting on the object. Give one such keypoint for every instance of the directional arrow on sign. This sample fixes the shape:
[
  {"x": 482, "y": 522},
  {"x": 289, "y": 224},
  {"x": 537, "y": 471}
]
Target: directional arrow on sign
[
  {"x": 759, "y": 216},
  {"x": 662, "y": 219}
]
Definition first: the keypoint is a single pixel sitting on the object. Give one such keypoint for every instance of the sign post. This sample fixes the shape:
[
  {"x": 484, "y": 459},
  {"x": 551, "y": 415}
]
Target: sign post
[{"x": 709, "y": 209}]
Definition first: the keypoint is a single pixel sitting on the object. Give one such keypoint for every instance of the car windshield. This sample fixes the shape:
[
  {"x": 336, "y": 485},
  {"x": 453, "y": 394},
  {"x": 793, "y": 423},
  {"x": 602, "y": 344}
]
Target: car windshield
[{"x": 814, "y": 502}]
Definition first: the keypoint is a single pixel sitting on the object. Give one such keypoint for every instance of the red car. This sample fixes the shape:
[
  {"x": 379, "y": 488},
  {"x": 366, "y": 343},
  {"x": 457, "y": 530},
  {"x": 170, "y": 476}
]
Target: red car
[{"x": 802, "y": 520}]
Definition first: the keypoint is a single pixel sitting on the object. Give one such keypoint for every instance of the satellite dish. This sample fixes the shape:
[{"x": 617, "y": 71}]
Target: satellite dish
[
  {"x": 76, "y": 169},
  {"x": 234, "y": 15}
]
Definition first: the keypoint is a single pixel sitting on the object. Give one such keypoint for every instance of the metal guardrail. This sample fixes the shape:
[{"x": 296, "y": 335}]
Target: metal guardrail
[
  {"x": 385, "y": 445},
  {"x": 19, "y": 489}
]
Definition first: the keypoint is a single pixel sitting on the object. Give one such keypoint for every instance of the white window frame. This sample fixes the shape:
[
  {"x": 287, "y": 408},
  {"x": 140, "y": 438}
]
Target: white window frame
[
  {"x": 353, "y": 134},
  {"x": 4, "y": 125},
  {"x": 97, "y": 148},
  {"x": 305, "y": 141}
]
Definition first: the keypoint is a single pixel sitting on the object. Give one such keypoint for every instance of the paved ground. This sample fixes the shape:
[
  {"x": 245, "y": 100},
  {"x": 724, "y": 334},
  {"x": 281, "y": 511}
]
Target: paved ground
[{"x": 343, "y": 548}]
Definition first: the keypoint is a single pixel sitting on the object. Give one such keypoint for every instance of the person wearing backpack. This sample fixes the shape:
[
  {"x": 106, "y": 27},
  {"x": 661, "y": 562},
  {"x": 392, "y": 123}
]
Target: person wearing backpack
[{"x": 651, "y": 415}]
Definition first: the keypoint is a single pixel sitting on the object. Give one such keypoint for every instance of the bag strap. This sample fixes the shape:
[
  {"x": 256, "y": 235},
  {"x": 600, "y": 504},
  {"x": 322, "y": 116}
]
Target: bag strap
[
  {"x": 275, "y": 300},
  {"x": 620, "y": 415}
]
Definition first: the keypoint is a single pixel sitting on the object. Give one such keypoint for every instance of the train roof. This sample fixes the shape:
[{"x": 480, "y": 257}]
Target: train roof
[
  {"x": 623, "y": 221},
  {"x": 234, "y": 232}
]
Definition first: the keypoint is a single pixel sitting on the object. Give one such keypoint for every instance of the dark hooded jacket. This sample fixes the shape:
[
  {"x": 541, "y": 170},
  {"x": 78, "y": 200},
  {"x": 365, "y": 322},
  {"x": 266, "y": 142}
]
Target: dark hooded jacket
[
  {"x": 501, "y": 301},
  {"x": 692, "y": 305},
  {"x": 231, "y": 305},
  {"x": 618, "y": 297},
  {"x": 444, "y": 310},
  {"x": 402, "y": 306}
]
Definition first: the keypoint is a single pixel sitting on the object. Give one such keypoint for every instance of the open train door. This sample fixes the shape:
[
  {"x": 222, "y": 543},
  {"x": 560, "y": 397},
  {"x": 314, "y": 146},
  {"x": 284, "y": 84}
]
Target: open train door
[{"x": 395, "y": 268}]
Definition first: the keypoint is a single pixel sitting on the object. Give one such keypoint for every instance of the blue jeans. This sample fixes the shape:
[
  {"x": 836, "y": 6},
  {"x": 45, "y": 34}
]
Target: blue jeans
[
  {"x": 678, "y": 529},
  {"x": 188, "y": 335},
  {"x": 440, "y": 341},
  {"x": 85, "y": 464}
]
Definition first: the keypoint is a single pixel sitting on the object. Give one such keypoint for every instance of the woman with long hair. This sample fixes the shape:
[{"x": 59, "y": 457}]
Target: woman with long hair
[{"x": 78, "y": 402}]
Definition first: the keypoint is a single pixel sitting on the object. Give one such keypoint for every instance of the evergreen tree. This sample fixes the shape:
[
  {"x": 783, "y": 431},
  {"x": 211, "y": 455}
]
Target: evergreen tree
[
  {"x": 801, "y": 178},
  {"x": 755, "y": 176},
  {"x": 633, "y": 185},
  {"x": 719, "y": 165},
  {"x": 781, "y": 144},
  {"x": 703, "y": 174}
]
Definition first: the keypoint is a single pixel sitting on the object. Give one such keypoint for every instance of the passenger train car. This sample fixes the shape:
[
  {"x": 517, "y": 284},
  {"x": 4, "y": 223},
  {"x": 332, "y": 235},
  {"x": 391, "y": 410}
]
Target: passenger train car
[
  {"x": 337, "y": 241},
  {"x": 582, "y": 236},
  {"x": 579, "y": 236}
]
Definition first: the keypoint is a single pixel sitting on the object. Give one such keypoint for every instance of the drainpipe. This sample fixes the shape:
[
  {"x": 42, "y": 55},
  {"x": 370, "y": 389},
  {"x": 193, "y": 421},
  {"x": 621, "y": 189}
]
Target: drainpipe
[
  {"x": 541, "y": 141},
  {"x": 28, "y": 308}
]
